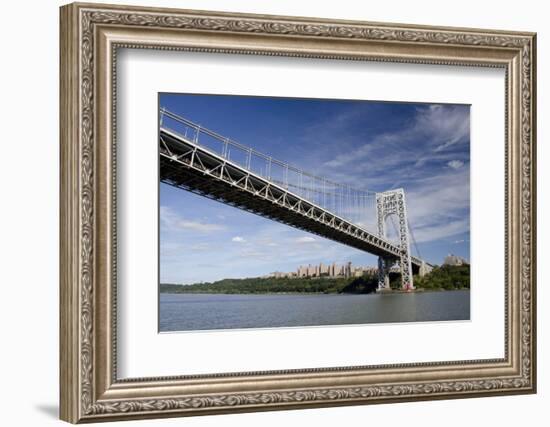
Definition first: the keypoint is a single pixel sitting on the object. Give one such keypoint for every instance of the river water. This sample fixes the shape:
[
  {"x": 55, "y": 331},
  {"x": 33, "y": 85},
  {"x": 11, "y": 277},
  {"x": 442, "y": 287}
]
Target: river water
[{"x": 185, "y": 312}]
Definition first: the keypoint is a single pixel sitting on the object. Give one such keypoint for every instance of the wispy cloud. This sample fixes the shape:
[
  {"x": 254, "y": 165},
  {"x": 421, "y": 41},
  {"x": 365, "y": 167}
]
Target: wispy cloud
[
  {"x": 174, "y": 221},
  {"x": 431, "y": 232},
  {"x": 439, "y": 206},
  {"x": 305, "y": 239},
  {"x": 447, "y": 124},
  {"x": 459, "y": 241},
  {"x": 437, "y": 127},
  {"x": 427, "y": 156},
  {"x": 238, "y": 239},
  {"x": 455, "y": 164}
]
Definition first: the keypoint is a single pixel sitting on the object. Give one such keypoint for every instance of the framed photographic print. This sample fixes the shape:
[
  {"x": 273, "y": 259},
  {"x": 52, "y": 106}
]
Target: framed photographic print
[
  {"x": 265, "y": 212},
  {"x": 225, "y": 211}
]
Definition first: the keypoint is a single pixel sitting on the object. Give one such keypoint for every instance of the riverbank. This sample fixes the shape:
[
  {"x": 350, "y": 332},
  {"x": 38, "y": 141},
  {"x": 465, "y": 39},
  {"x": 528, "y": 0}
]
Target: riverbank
[
  {"x": 444, "y": 278},
  {"x": 417, "y": 290},
  {"x": 380, "y": 292}
]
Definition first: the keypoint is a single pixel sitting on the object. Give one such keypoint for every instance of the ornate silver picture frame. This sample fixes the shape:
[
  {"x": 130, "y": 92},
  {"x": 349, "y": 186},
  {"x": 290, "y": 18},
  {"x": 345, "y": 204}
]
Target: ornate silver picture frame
[{"x": 91, "y": 37}]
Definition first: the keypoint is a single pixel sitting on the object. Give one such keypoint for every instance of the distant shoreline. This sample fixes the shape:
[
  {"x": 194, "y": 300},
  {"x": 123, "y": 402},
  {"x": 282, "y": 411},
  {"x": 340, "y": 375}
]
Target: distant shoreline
[
  {"x": 384, "y": 292},
  {"x": 439, "y": 279}
]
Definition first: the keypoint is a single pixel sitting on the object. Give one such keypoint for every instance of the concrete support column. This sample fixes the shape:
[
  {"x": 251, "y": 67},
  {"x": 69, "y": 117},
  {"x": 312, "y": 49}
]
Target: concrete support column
[
  {"x": 422, "y": 271},
  {"x": 383, "y": 273},
  {"x": 406, "y": 272}
]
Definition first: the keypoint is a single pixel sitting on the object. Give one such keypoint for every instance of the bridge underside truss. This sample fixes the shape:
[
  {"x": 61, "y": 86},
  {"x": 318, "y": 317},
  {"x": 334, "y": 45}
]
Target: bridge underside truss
[{"x": 189, "y": 166}]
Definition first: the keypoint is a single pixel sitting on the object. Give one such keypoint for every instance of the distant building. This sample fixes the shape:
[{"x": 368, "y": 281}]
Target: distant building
[
  {"x": 347, "y": 271},
  {"x": 282, "y": 275},
  {"x": 325, "y": 270},
  {"x": 302, "y": 271},
  {"x": 455, "y": 260}
]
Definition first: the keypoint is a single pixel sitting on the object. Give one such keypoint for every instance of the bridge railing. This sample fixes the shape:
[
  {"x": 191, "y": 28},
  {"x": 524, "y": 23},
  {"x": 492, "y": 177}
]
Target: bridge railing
[{"x": 343, "y": 200}]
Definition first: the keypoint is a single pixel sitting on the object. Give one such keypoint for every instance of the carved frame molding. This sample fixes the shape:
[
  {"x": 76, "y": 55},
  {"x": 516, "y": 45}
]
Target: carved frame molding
[{"x": 90, "y": 36}]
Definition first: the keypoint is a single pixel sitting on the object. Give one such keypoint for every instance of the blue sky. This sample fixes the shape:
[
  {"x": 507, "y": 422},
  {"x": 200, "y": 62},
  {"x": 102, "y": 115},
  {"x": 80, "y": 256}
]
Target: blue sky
[{"x": 423, "y": 148}]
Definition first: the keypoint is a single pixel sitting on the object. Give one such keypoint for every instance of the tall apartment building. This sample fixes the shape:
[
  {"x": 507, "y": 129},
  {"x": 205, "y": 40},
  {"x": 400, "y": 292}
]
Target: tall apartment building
[
  {"x": 330, "y": 270},
  {"x": 454, "y": 260}
]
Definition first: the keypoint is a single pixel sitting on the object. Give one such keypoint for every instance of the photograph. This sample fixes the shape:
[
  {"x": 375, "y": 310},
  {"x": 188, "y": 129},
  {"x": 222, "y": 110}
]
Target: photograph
[
  {"x": 292, "y": 212},
  {"x": 269, "y": 209}
]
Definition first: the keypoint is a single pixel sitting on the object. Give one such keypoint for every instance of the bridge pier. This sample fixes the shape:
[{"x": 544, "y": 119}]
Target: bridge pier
[
  {"x": 384, "y": 265},
  {"x": 406, "y": 271},
  {"x": 424, "y": 269}
]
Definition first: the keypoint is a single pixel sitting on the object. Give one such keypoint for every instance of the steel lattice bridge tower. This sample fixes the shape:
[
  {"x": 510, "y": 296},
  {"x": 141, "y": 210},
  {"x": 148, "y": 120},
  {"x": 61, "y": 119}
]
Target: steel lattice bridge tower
[
  {"x": 204, "y": 162},
  {"x": 393, "y": 203}
]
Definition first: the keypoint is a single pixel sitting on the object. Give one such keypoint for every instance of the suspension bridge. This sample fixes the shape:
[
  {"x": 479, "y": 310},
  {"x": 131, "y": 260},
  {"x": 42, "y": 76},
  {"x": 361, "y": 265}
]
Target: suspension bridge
[{"x": 204, "y": 162}]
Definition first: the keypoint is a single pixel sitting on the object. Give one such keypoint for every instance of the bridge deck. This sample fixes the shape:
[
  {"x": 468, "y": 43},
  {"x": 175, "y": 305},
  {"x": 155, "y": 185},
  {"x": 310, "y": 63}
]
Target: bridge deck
[{"x": 192, "y": 167}]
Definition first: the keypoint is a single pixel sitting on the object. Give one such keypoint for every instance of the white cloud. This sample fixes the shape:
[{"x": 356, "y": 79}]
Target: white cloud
[
  {"x": 305, "y": 239},
  {"x": 174, "y": 221},
  {"x": 438, "y": 206},
  {"x": 269, "y": 246},
  {"x": 345, "y": 158},
  {"x": 198, "y": 226},
  {"x": 455, "y": 164},
  {"x": 238, "y": 239},
  {"x": 441, "y": 127},
  {"x": 450, "y": 125},
  {"x": 433, "y": 232}
]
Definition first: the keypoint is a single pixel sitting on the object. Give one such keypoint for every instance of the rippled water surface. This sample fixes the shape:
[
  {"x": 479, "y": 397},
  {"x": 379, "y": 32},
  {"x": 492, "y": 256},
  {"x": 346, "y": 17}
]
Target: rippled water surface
[{"x": 183, "y": 312}]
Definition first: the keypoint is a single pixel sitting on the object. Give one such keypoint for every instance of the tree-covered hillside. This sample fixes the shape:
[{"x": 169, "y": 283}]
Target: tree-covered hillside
[{"x": 445, "y": 277}]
